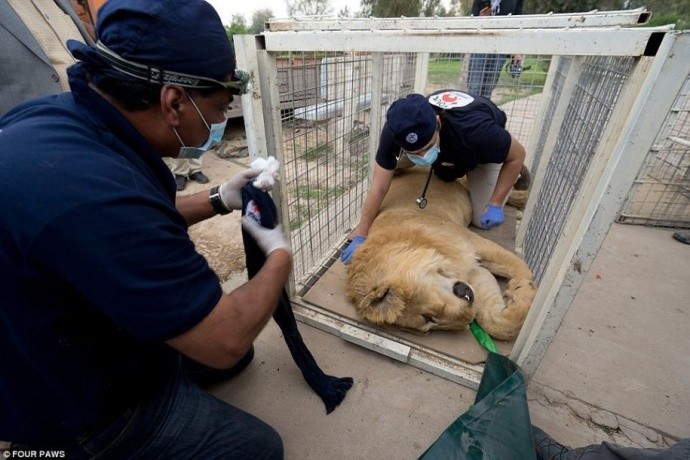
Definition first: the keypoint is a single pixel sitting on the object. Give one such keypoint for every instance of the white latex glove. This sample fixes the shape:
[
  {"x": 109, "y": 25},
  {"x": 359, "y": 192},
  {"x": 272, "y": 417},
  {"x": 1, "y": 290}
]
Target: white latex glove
[
  {"x": 268, "y": 239},
  {"x": 230, "y": 190}
]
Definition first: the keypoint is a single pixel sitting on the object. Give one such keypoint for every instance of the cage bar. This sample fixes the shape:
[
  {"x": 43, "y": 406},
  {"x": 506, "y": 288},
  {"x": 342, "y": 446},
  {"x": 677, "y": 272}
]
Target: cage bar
[{"x": 324, "y": 101}]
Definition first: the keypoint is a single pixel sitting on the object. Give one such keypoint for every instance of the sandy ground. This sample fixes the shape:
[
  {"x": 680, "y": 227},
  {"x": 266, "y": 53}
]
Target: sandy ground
[{"x": 219, "y": 239}]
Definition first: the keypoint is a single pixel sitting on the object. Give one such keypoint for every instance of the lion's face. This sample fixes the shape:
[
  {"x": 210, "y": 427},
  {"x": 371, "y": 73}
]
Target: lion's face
[{"x": 416, "y": 289}]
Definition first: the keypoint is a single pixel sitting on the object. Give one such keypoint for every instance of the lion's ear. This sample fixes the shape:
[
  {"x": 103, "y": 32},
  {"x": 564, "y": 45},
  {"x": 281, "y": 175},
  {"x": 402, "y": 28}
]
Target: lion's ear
[{"x": 381, "y": 306}]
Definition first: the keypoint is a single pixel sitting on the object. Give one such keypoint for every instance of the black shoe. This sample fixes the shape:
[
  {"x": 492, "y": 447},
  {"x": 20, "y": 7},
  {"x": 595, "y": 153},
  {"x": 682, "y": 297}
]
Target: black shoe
[
  {"x": 199, "y": 177},
  {"x": 204, "y": 375},
  {"x": 683, "y": 237},
  {"x": 180, "y": 182}
]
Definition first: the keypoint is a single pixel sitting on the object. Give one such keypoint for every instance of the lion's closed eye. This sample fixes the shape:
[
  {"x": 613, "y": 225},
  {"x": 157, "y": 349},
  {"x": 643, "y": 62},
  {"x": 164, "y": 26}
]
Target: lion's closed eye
[
  {"x": 429, "y": 319},
  {"x": 380, "y": 298}
]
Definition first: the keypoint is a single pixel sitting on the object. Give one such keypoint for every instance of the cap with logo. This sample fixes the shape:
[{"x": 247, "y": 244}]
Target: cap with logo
[
  {"x": 179, "y": 42},
  {"x": 411, "y": 121}
]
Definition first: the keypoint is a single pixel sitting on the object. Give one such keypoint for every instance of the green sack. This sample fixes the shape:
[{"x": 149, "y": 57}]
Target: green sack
[{"x": 497, "y": 426}]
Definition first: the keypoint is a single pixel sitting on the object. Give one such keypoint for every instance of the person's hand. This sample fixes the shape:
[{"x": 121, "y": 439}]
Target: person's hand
[
  {"x": 268, "y": 239},
  {"x": 492, "y": 217},
  {"x": 230, "y": 190},
  {"x": 349, "y": 251}
]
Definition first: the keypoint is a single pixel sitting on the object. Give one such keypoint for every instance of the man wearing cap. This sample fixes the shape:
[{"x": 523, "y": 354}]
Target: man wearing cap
[
  {"x": 456, "y": 134},
  {"x": 102, "y": 290}
]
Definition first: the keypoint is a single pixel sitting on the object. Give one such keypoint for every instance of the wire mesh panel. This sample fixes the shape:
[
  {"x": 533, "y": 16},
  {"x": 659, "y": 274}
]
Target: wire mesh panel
[
  {"x": 556, "y": 91},
  {"x": 588, "y": 112},
  {"x": 516, "y": 92},
  {"x": 325, "y": 102},
  {"x": 660, "y": 195},
  {"x": 583, "y": 85}
]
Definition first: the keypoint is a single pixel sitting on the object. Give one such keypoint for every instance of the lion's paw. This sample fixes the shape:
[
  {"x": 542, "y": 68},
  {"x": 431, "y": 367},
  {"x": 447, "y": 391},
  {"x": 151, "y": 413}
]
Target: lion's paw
[{"x": 520, "y": 293}]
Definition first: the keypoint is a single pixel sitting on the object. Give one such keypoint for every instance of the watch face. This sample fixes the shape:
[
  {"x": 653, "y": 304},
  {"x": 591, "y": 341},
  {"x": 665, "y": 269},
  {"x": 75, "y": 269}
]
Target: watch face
[{"x": 451, "y": 99}]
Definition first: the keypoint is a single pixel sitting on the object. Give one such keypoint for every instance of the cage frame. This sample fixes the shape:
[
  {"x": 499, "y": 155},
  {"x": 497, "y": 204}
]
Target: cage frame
[{"x": 658, "y": 66}]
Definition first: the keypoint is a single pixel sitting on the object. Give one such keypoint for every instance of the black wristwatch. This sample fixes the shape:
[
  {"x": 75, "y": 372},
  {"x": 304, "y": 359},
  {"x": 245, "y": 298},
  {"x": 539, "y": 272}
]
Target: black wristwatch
[{"x": 217, "y": 202}]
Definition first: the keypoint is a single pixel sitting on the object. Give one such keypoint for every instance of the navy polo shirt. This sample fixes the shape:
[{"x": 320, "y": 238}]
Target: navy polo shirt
[
  {"x": 97, "y": 267},
  {"x": 472, "y": 133}
]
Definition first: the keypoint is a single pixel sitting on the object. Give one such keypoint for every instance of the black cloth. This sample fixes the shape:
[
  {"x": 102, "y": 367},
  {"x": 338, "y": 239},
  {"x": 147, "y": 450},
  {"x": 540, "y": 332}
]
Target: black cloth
[{"x": 331, "y": 389}]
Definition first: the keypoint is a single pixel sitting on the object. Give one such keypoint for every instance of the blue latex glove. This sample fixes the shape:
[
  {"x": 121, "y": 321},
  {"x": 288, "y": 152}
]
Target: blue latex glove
[
  {"x": 492, "y": 217},
  {"x": 349, "y": 251}
]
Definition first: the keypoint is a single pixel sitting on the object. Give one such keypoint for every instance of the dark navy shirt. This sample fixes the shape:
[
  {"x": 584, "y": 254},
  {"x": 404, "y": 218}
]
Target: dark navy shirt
[
  {"x": 97, "y": 268},
  {"x": 472, "y": 133}
]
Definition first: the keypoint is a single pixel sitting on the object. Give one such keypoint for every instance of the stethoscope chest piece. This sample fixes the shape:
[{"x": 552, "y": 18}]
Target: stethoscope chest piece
[{"x": 421, "y": 201}]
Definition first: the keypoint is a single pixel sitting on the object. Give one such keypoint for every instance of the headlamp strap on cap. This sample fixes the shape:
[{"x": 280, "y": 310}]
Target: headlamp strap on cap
[{"x": 161, "y": 77}]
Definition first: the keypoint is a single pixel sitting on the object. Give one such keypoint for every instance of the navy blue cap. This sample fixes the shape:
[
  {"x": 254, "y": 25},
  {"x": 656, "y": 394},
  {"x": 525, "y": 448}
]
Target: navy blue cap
[
  {"x": 164, "y": 37},
  {"x": 412, "y": 122}
]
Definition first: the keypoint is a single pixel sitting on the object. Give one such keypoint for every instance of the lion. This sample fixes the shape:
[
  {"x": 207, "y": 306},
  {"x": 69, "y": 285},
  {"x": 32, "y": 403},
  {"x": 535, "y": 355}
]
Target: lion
[{"x": 422, "y": 269}]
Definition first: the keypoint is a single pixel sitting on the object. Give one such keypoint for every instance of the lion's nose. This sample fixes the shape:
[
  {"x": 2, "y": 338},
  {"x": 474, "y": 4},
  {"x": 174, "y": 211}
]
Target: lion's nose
[{"x": 463, "y": 291}]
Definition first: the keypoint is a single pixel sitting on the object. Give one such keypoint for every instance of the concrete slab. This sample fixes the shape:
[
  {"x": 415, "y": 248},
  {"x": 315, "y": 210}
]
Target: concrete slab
[
  {"x": 617, "y": 370},
  {"x": 623, "y": 346},
  {"x": 393, "y": 411}
]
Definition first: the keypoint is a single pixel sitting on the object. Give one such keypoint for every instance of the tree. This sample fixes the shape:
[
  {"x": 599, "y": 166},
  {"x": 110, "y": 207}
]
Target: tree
[
  {"x": 431, "y": 8},
  {"x": 663, "y": 11},
  {"x": 237, "y": 26},
  {"x": 307, "y": 7},
  {"x": 259, "y": 19},
  {"x": 391, "y": 8}
]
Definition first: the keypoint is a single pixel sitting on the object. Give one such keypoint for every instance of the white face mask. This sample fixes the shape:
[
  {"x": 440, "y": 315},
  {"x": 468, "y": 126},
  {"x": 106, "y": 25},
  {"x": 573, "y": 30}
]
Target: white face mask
[
  {"x": 429, "y": 157},
  {"x": 215, "y": 135}
]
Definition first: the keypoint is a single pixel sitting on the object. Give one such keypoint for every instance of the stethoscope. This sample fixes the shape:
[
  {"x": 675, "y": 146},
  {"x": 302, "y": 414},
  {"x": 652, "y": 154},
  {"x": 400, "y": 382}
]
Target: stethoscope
[{"x": 421, "y": 201}]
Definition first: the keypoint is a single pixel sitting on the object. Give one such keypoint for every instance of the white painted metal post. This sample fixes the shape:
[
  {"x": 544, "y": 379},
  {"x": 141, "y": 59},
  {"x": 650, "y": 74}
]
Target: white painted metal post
[
  {"x": 420, "y": 72},
  {"x": 252, "y": 110},
  {"x": 376, "y": 115},
  {"x": 542, "y": 111},
  {"x": 661, "y": 84}
]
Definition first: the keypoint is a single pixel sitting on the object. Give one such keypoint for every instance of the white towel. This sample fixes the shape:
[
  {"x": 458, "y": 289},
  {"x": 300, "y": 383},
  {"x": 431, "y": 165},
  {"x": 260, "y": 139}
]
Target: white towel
[{"x": 268, "y": 174}]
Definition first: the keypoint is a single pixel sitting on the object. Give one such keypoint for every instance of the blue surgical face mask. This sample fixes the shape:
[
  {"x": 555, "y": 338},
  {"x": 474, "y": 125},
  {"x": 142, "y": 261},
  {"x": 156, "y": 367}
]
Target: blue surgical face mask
[
  {"x": 216, "y": 131},
  {"x": 429, "y": 157}
]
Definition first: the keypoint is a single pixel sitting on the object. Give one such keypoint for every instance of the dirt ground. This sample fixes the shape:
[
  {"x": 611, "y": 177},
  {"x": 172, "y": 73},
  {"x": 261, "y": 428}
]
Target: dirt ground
[{"x": 219, "y": 239}]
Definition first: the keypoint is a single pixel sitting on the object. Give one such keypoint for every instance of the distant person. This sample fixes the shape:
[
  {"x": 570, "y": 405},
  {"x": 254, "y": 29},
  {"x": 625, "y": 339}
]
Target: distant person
[
  {"x": 484, "y": 69},
  {"x": 185, "y": 169},
  {"x": 33, "y": 56}
]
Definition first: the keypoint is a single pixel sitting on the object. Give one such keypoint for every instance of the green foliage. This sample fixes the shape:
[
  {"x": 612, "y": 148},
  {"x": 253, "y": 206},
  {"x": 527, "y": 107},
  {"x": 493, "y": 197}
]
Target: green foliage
[
  {"x": 663, "y": 11},
  {"x": 314, "y": 153},
  {"x": 307, "y": 7},
  {"x": 398, "y": 8},
  {"x": 237, "y": 26},
  {"x": 444, "y": 70},
  {"x": 259, "y": 19}
]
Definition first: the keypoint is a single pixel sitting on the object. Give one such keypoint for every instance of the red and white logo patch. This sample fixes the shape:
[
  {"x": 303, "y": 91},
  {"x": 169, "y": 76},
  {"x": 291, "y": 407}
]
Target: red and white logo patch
[
  {"x": 451, "y": 99},
  {"x": 252, "y": 211}
]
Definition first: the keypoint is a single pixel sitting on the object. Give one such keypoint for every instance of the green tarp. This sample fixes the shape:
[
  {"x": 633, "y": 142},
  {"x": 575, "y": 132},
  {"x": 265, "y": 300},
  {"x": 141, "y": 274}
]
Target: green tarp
[{"x": 497, "y": 426}]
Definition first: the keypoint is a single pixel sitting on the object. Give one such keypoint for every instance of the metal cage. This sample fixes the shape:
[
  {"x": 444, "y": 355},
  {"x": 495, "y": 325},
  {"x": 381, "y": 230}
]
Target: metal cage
[{"x": 587, "y": 108}]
